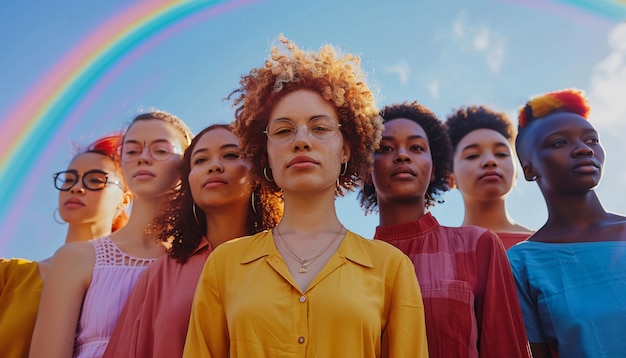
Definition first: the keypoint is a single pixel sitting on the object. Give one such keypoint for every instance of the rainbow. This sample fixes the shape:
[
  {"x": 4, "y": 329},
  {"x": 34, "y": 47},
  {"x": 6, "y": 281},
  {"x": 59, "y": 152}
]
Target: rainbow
[
  {"x": 611, "y": 11},
  {"x": 42, "y": 114}
]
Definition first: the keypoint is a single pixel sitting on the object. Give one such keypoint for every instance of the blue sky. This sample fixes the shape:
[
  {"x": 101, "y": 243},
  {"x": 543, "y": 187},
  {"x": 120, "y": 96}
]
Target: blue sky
[{"x": 445, "y": 54}]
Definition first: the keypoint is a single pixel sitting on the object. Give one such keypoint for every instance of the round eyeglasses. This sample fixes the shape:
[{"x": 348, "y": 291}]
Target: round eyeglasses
[
  {"x": 160, "y": 150},
  {"x": 284, "y": 130},
  {"x": 92, "y": 180}
]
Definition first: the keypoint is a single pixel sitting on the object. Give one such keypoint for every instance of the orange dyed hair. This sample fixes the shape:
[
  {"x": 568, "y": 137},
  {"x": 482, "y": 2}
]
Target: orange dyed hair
[{"x": 567, "y": 100}]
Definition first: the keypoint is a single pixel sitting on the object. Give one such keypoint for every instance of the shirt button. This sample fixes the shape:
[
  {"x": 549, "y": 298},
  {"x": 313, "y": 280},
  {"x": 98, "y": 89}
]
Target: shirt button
[
  {"x": 301, "y": 340},
  {"x": 302, "y": 299}
]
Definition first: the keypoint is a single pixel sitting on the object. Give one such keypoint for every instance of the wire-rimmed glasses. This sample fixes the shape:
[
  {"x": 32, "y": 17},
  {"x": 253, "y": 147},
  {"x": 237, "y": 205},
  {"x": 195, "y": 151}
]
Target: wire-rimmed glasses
[
  {"x": 284, "y": 130},
  {"x": 159, "y": 150}
]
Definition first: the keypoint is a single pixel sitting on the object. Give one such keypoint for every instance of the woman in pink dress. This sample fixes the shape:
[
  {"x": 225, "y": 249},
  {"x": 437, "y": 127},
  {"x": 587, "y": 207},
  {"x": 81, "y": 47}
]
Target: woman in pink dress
[
  {"x": 470, "y": 302},
  {"x": 484, "y": 169},
  {"x": 88, "y": 282},
  {"x": 218, "y": 201}
]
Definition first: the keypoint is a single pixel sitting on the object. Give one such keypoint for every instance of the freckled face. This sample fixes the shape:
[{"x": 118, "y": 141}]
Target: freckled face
[
  {"x": 483, "y": 165},
  {"x": 403, "y": 166},
  {"x": 306, "y": 163}
]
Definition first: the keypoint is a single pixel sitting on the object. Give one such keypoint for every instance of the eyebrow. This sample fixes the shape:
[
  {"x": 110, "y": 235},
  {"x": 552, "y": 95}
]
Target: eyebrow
[
  {"x": 317, "y": 116},
  {"x": 475, "y": 145},
  {"x": 415, "y": 136},
  {"x": 154, "y": 141},
  {"x": 225, "y": 146}
]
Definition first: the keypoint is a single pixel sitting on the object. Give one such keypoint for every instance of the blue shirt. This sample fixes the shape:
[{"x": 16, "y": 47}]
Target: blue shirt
[{"x": 573, "y": 296}]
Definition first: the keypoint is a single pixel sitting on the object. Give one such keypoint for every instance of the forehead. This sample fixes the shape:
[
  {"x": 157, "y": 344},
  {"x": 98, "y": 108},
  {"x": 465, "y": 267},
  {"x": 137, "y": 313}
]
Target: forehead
[
  {"x": 562, "y": 122},
  {"x": 89, "y": 161},
  {"x": 302, "y": 104},
  {"x": 216, "y": 139},
  {"x": 482, "y": 137},
  {"x": 151, "y": 130},
  {"x": 401, "y": 128}
]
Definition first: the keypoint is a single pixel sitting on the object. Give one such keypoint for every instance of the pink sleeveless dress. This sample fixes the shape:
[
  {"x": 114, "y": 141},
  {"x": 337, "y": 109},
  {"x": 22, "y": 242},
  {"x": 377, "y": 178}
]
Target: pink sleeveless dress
[{"x": 114, "y": 276}]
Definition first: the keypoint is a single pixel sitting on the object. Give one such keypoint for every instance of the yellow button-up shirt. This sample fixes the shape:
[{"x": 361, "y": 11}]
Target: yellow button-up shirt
[{"x": 365, "y": 302}]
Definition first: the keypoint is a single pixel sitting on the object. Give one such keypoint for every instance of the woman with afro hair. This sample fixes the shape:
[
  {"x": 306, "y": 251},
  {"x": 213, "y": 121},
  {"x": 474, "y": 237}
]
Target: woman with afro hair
[
  {"x": 309, "y": 287},
  {"x": 470, "y": 302},
  {"x": 570, "y": 274},
  {"x": 484, "y": 169}
]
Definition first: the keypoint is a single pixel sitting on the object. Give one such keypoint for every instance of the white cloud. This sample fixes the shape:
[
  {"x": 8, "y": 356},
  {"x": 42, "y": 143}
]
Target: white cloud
[
  {"x": 482, "y": 40},
  {"x": 608, "y": 82},
  {"x": 402, "y": 69},
  {"x": 433, "y": 89}
]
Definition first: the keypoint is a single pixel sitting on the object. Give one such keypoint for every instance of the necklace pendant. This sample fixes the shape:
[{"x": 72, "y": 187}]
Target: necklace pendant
[{"x": 303, "y": 268}]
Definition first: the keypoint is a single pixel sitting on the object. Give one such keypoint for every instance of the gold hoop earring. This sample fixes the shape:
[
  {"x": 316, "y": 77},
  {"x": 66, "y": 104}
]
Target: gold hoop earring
[
  {"x": 60, "y": 220},
  {"x": 429, "y": 198},
  {"x": 252, "y": 202},
  {"x": 195, "y": 215},
  {"x": 265, "y": 175},
  {"x": 344, "y": 169}
]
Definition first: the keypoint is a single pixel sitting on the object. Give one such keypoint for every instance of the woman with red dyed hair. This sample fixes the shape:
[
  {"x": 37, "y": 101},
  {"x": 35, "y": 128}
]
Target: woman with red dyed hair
[
  {"x": 571, "y": 274},
  {"x": 92, "y": 201}
]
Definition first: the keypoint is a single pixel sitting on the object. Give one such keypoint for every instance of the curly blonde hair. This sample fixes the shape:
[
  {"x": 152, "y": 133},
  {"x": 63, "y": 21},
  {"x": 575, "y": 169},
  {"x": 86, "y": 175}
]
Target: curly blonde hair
[{"x": 337, "y": 77}]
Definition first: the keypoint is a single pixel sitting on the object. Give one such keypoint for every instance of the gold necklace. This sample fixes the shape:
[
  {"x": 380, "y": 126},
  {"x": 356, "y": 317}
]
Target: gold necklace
[{"x": 304, "y": 262}]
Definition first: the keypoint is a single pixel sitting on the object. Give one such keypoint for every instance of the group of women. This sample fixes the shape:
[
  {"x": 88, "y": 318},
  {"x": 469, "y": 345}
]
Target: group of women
[{"x": 233, "y": 246}]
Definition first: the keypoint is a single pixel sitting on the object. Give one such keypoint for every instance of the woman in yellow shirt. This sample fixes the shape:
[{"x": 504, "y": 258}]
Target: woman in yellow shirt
[
  {"x": 308, "y": 288},
  {"x": 92, "y": 200}
]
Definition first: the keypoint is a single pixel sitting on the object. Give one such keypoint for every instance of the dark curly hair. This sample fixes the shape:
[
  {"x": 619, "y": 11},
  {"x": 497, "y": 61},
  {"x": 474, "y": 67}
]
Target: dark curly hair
[
  {"x": 177, "y": 222},
  {"x": 467, "y": 119},
  {"x": 440, "y": 149},
  {"x": 337, "y": 78}
]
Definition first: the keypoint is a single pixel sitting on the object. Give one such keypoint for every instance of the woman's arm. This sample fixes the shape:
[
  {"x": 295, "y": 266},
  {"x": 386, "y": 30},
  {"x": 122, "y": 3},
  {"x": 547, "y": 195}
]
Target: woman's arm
[{"x": 68, "y": 278}]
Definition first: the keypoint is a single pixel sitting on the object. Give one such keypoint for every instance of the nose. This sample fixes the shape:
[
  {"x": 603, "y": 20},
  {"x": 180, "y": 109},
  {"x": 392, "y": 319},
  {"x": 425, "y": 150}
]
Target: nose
[
  {"x": 144, "y": 155},
  {"x": 215, "y": 166},
  {"x": 301, "y": 138},
  {"x": 582, "y": 150},
  {"x": 489, "y": 161},
  {"x": 402, "y": 156},
  {"x": 77, "y": 189}
]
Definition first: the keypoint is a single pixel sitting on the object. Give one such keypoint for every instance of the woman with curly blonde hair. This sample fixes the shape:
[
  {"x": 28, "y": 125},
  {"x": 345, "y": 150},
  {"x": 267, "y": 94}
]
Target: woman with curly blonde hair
[
  {"x": 570, "y": 274},
  {"x": 308, "y": 287}
]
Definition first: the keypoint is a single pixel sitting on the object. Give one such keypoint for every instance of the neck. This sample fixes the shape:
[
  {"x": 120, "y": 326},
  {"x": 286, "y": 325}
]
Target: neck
[
  {"x": 226, "y": 222},
  {"x": 395, "y": 212},
  {"x": 141, "y": 216},
  {"x": 574, "y": 211},
  {"x": 490, "y": 214},
  {"x": 85, "y": 231},
  {"x": 306, "y": 213}
]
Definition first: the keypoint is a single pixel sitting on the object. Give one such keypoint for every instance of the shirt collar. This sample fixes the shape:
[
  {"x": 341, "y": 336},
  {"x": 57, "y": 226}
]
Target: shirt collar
[{"x": 351, "y": 248}]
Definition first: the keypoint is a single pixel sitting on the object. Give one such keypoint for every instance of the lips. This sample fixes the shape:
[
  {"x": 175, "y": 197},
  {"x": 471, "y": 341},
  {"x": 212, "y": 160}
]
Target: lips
[
  {"x": 586, "y": 166},
  {"x": 143, "y": 173},
  {"x": 213, "y": 182},
  {"x": 490, "y": 175},
  {"x": 73, "y": 202},
  {"x": 301, "y": 161},
  {"x": 403, "y": 171}
]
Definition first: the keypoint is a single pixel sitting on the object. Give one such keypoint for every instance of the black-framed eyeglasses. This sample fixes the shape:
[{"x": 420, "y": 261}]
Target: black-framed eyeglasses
[
  {"x": 92, "y": 180},
  {"x": 159, "y": 150},
  {"x": 284, "y": 130}
]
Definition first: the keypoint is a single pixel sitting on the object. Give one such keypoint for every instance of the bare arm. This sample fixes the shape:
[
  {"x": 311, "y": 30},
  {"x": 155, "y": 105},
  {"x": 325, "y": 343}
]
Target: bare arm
[{"x": 67, "y": 280}]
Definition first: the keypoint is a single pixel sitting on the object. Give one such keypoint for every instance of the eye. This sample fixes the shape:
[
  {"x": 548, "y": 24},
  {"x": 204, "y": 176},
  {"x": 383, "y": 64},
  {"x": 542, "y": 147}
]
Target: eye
[
  {"x": 385, "y": 149},
  {"x": 232, "y": 155},
  {"x": 471, "y": 157},
  {"x": 417, "y": 148},
  {"x": 199, "y": 160},
  {"x": 502, "y": 155},
  {"x": 558, "y": 143},
  {"x": 592, "y": 140}
]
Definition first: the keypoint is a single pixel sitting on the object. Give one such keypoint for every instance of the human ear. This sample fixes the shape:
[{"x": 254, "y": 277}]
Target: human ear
[{"x": 451, "y": 181}]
